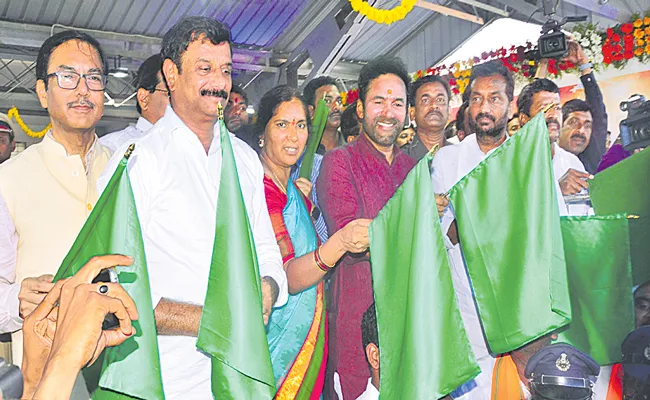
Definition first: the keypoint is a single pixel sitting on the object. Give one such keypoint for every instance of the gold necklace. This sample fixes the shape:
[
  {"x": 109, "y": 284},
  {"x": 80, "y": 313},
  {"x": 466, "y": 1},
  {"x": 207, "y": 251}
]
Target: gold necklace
[{"x": 275, "y": 178}]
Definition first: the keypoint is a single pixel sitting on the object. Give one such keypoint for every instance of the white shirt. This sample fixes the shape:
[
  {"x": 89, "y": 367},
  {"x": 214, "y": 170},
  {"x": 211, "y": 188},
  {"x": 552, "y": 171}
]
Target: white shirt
[
  {"x": 371, "y": 392},
  {"x": 10, "y": 320},
  {"x": 115, "y": 140},
  {"x": 175, "y": 185},
  {"x": 562, "y": 162},
  {"x": 449, "y": 165}
]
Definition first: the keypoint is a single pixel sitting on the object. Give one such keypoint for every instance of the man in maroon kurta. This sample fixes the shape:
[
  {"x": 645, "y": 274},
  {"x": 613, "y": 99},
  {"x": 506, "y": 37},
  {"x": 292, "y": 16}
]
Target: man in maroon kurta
[{"x": 356, "y": 181}]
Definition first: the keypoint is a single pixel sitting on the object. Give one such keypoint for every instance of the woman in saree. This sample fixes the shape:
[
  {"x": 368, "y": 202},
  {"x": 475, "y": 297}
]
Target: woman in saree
[{"x": 297, "y": 332}]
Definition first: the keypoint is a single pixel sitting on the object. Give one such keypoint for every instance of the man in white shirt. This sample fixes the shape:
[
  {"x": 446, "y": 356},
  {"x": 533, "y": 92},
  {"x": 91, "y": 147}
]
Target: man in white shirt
[
  {"x": 175, "y": 173},
  {"x": 151, "y": 100},
  {"x": 491, "y": 105},
  {"x": 567, "y": 167}
]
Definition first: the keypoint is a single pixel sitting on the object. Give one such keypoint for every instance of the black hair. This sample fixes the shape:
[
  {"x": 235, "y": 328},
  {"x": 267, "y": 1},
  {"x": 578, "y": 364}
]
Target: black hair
[
  {"x": 239, "y": 91},
  {"x": 492, "y": 68},
  {"x": 270, "y": 103},
  {"x": 382, "y": 65},
  {"x": 349, "y": 121},
  {"x": 309, "y": 92},
  {"x": 572, "y": 106},
  {"x": 186, "y": 31},
  {"x": 525, "y": 99},
  {"x": 450, "y": 130},
  {"x": 148, "y": 76},
  {"x": 50, "y": 44},
  {"x": 428, "y": 79},
  {"x": 460, "y": 117},
  {"x": 369, "y": 333}
]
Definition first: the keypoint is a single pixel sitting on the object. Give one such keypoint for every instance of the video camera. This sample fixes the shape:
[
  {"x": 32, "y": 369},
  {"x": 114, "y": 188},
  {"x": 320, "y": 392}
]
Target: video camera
[
  {"x": 553, "y": 43},
  {"x": 635, "y": 129}
]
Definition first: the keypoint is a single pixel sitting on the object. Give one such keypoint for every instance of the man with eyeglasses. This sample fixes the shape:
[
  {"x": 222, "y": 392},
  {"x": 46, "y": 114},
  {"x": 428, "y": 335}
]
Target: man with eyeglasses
[
  {"x": 429, "y": 100},
  {"x": 7, "y": 144},
  {"x": 151, "y": 100},
  {"x": 48, "y": 190}
]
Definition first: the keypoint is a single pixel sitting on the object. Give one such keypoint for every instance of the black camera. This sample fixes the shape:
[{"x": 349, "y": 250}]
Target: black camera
[
  {"x": 552, "y": 43},
  {"x": 635, "y": 129},
  {"x": 11, "y": 381}
]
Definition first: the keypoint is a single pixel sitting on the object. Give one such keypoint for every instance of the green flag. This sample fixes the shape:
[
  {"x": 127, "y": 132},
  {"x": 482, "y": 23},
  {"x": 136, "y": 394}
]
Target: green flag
[
  {"x": 623, "y": 188},
  {"x": 424, "y": 350},
  {"x": 509, "y": 230},
  {"x": 132, "y": 369},
  {"x": 318, "y": 126},
  {"x": 232, "y": 328},
  {"x": 599, "y": 265}
]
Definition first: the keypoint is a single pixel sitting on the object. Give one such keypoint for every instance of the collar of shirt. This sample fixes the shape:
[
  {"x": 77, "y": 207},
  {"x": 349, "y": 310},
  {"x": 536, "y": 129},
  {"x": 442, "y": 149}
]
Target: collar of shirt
[
  {"x": 417, "y": 149},
  {"x": 365, "y": 144},
  {"x": 143, "y": 124},
  {"x": 56, "y": 149},
  {"x": 371, "y": 392},
  {"x": 172, "y": 123}
]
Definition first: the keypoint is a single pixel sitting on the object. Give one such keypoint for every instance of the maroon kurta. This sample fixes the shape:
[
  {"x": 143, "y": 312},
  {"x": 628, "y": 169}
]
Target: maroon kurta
[{"x": 355, "y": 182}]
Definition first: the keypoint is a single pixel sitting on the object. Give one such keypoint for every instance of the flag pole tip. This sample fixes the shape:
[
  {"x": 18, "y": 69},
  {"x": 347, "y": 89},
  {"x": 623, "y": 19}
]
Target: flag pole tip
[{"x": 129, "y": 151}]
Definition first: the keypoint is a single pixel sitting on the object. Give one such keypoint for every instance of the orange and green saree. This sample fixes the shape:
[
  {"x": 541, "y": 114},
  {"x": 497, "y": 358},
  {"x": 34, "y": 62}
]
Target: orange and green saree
[{"x": 297, "y": 331}]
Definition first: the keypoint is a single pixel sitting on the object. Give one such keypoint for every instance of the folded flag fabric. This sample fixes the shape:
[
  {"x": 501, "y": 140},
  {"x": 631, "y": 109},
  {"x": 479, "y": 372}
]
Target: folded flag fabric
[
  {"x": 132, "y": 369},
  {"x": 509, "y": 230},
  {"x": 425, "y": 352}
]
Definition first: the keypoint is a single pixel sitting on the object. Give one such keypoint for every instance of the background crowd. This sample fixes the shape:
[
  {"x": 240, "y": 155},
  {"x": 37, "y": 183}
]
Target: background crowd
[{"x": 310, "y": 231}]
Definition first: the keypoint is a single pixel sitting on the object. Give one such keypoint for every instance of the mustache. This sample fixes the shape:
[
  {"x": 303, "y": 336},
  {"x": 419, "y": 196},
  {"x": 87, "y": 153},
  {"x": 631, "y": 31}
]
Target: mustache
[
  {"x": 334, "y": 113},
  {"x": 579, "y": 136},
  {"x": 215, "y": 93},
  {"x": 552, "y": 120},
  {"x": 485, "y": 115},
  {"x": 438, "y": 113},
  {"x": 82, "y": 102}
]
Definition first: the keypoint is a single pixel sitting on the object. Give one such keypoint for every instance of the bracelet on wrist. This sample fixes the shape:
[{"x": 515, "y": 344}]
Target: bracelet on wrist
[
  {"x": 319, "y": 261},
  {"x": 585, "y": 66}
]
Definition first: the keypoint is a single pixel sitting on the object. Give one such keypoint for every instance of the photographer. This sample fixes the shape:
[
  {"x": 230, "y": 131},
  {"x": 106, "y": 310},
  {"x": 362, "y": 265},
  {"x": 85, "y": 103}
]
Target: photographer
[
  {"x": 584, "y": 127},
  {"x": 64, "y": 333}
]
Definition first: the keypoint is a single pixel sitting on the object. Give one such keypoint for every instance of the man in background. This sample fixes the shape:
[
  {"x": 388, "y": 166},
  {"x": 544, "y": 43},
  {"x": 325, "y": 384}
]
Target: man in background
[
  {"x": 152, "y": 98},
  {"x": 7, "y": 135}
]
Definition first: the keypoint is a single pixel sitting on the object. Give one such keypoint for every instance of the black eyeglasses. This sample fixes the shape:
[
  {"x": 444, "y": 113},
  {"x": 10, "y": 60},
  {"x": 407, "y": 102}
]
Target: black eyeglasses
[
  {"x": 70, "y": 80},
  {"x": 161, "y": 90}
]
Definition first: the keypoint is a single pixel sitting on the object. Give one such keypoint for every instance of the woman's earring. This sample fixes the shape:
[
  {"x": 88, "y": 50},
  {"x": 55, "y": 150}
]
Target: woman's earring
[{"x": 261, "y": 142}]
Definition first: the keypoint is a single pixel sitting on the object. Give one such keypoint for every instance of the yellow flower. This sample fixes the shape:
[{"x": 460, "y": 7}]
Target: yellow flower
[
  {"x": 647, "y": 31},
  {"x": 638, "y": 23},
  {"x": 639, "y": 33},
  {"x": 646, "y": 21},
  {"x": 638, "y": 51},
  {"x": 647, "y": 49},
  {"x": 639, "y": 43}
]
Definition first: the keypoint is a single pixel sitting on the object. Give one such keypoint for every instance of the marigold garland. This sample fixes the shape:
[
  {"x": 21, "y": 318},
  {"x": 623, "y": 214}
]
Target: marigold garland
[
  {"x": 383, "y": 16},
  {"x": 13, "y": 113}
]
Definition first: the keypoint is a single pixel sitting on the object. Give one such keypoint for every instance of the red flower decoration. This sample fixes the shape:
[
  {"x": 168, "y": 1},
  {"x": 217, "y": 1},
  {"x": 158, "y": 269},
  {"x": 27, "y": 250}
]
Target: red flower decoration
[
  {"x": 608, "y": 59},
  {"x": 618, "y": 57},
  {"x": 527, "y": 74},
  {"x": 452, "y": 82},
  {"x": 628, "y": 55},
  {"x": 513, "y": 57},
  {"x": 610, "y": 32},
  {"x": 476, "y": 59},
  {"x": 485, "y": 55},
  {"x": 455, "y": 90},
  {"x": 627, "y": 28},
  {"x": 616, "y": 38}
]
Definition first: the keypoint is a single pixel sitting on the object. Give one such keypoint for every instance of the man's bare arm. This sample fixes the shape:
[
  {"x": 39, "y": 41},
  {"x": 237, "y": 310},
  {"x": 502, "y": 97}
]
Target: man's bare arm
[{"x": 175, "y": 318}]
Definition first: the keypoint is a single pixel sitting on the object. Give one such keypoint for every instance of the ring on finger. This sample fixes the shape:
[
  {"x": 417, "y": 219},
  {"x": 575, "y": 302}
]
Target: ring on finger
[{"x": 102, "y": 289}]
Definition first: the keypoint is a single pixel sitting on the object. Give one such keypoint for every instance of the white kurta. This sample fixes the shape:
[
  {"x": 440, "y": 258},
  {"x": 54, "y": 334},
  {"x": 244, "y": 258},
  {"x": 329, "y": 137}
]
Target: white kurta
[
  {"x": 45, "y": 197},
  {"x": 115, "y": 140},
  {"x": 449, "y": 165},
  {"x": 176, "y": 184},
  {"x": 371, "y": 392}
]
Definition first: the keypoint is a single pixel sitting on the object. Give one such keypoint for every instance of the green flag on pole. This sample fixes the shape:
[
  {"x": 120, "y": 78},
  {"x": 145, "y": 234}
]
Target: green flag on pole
[
  {"x": 623, "y": 188},
  {"x": 599, "y": 265},
  {"x": 318, "y": 127},
  {"x": 424, "y": 348},
  {"x": 509, "y": 230},
  {"x": 232, "y": 328},
  {"x": 132, "y": 369}
]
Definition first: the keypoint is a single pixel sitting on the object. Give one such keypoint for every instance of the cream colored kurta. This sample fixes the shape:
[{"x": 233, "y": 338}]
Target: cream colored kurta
[{"x": 48, "y": 195}]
